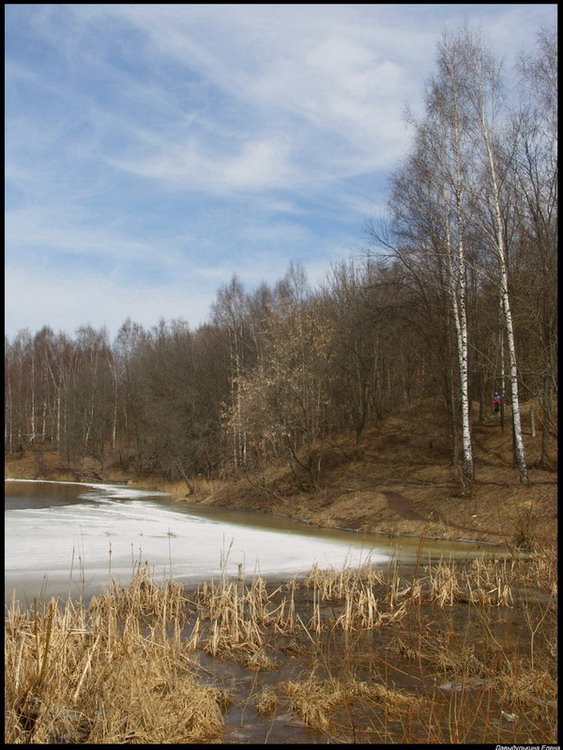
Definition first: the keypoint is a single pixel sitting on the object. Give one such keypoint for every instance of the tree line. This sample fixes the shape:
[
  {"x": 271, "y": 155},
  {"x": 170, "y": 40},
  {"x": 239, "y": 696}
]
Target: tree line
[{"x": 453, "y": 298}]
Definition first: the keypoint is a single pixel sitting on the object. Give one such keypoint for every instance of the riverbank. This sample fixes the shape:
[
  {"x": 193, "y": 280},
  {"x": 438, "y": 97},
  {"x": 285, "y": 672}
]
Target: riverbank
[
  {"x": 400, "y": 484},
  {"x": 462, "y": 653}
]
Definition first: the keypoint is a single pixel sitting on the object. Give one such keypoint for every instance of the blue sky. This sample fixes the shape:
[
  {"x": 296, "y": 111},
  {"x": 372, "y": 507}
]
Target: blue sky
[{"x": 152, "y": 151}]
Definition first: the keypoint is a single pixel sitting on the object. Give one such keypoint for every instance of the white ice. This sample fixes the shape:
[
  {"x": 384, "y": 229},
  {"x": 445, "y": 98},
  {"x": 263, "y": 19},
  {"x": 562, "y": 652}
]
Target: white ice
[{"x": 93, "y": 541}]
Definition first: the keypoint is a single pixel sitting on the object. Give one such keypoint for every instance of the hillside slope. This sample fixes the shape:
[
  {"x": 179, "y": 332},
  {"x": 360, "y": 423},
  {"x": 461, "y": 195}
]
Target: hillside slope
[{"x": 401, "y": 484}]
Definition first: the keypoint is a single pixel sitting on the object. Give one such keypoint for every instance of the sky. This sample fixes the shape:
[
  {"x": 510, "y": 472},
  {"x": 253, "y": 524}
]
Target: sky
[{"x": 153, "y": 151}]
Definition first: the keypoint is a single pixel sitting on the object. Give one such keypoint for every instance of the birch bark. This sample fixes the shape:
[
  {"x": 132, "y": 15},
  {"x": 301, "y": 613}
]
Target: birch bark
[{"x": 500, "y": 243}]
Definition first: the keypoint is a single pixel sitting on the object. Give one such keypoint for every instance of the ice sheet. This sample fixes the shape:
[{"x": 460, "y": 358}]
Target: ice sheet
[{"x": 112, "y": 529}]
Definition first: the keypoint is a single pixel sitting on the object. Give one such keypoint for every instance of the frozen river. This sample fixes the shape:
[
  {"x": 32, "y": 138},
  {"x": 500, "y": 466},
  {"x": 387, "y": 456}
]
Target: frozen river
[{"x": 64, "y": 537}]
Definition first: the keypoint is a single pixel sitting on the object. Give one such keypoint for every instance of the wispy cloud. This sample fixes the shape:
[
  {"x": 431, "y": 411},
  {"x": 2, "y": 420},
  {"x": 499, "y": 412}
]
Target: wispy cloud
[
  {"x": 165, "y": 147},
  {"x": 261, "y": 163}
]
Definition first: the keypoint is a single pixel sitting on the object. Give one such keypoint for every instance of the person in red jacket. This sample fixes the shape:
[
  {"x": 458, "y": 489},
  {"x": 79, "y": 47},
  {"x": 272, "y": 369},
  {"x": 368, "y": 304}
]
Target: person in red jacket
[{"x": 497, "y": 400}]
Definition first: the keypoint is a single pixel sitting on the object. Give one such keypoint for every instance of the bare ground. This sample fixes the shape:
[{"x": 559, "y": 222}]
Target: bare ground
[{"x": 401, "y": 483}]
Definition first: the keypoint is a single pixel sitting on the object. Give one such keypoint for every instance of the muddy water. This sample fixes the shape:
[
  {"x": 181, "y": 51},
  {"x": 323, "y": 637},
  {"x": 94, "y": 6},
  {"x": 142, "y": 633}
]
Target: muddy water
[
  {"x": 69, "y": 538},
  {"x": 449, "y": 658}
]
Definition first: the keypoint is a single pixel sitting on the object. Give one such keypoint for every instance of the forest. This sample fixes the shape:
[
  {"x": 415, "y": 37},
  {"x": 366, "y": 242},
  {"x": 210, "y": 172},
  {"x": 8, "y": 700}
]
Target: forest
[{"x": 452, "y": 298}]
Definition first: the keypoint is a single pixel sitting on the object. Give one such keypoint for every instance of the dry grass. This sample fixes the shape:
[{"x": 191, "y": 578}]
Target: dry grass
[
  {"x": 474, "y": 652},
  {"x": 334, "y": 584},
  {"x": 266, "y": 702},
  {"x": 102, "y": 675},
  {"x": 494, "y": 686},
  {"x": 485, "y": 582},
  {"x": 315, "y": 701},
  {"x": 238, "y": 617}
]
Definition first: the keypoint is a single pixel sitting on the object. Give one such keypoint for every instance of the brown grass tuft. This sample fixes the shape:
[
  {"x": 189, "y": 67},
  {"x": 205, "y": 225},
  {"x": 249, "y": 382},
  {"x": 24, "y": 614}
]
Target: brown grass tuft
[{"x": 107, "y": 674}]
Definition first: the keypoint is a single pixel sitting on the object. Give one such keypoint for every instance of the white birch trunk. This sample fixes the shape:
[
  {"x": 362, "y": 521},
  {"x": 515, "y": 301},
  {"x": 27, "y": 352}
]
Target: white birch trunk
[
  {"x": 457, "y": 294},
  {"x": 503, "y": 389},
  {"x": 457, "y": 273},
  {"x": 9, "y": 418},
  {"x": 450, "y": 153},
  {"x": 468, "y": 466},
  {"x": 32, "y": 436},
  {"x": 58, "y": 419},
  {"x": 113, "y": 369},
  {"x": 505, "y": 302},
  {"x": 44, "y": 422}
]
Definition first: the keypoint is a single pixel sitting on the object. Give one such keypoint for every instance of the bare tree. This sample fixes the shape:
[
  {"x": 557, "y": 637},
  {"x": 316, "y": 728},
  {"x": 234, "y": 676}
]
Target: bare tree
[
  {"x": 229, "y": 313},
  {"x": 535, "y": 182},
  {"x": 283, "y": 400},
  {"x": 483, "y": 91}
]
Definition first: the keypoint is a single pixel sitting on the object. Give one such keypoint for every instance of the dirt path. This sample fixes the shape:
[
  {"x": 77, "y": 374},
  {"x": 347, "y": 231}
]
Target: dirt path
[{"x": 402, "y": 506}]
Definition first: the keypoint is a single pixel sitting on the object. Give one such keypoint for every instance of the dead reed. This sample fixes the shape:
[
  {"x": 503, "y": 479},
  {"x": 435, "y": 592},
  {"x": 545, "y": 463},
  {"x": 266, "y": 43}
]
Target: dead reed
[
  {"x": 472, "y": 646},
  {"x": 106, "y": 674},
  {"x": 238, "y": 618},
  {"x": 490, "y": 668},
  {"x": 318, "y": 702}
]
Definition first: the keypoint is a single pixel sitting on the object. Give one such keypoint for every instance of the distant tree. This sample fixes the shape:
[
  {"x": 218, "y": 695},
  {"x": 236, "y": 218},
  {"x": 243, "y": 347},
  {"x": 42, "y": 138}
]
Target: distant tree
[
  {"x": 460, "y": 297},
  {"x": 283, "y": 401},
  {"x": 230, "y": 314},
  {"x": 361, "y": 302}
]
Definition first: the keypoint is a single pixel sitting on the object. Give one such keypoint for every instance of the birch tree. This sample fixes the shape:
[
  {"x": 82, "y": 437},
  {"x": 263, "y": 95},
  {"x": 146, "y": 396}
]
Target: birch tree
[
  {"x": 445, "y": 139},
  {"x": 428, "y": 203},
  {"x": 482, "y": 91},
  {"x": 535, "y": 183}
]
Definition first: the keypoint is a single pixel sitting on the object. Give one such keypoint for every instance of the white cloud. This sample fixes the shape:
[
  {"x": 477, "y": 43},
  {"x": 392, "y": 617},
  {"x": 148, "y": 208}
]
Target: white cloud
[
  {"x": 262, "y": 163},
  {"x": 67, "y": 229},
  {"x": 338, "y": 97},
  {"x": 174, "y": 145}
]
